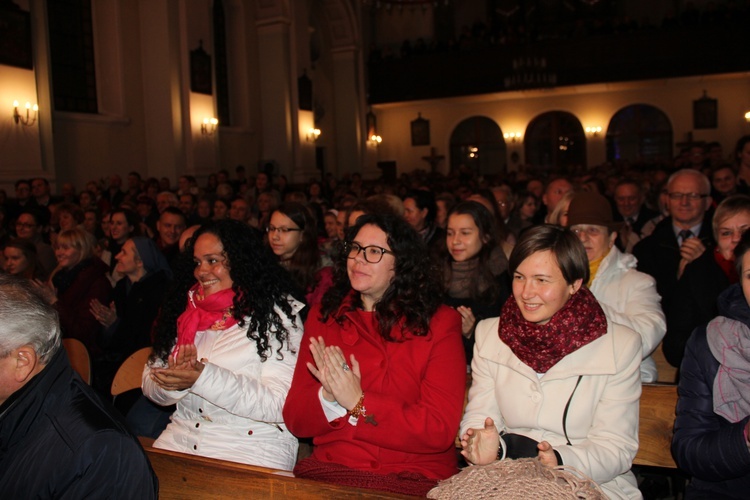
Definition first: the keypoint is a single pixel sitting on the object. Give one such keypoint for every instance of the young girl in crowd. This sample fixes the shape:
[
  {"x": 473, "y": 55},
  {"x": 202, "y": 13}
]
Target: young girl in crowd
[
  {"x": 293, "y": 238},
  {"x": 474, "y": 269}
]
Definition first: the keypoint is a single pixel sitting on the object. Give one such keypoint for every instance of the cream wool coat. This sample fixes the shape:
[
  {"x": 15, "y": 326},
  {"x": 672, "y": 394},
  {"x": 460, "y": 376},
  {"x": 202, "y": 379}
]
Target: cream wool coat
[
  {"x": 233, "y": 411},
  {"x": 602, "y": 421},
  {"x": 629, "y": 298}
]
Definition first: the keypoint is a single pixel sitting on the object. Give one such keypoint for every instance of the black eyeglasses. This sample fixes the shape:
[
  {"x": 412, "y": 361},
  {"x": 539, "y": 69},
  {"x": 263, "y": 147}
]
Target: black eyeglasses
[
  {"x": 372, "y": 253},
  {"x": 281, "y": 230}
]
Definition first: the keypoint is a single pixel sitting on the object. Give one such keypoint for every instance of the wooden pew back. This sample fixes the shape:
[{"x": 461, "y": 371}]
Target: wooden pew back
[
  {"x": 187, "y": 476},
  {"x": 658, "y": 403}
]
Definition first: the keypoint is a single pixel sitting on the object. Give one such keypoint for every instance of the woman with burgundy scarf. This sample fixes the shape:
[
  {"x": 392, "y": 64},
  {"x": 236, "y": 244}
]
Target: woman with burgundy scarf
[
  {"x": 551, "y": 377},
  {"x": 225, "y": 349}
]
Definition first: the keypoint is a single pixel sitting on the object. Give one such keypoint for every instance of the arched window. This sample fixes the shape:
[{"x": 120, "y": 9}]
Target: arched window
[
  {"x": 555, "y": 141},
  {"x": 639, "y": 133},
  {"x": 478, "y": 143}
]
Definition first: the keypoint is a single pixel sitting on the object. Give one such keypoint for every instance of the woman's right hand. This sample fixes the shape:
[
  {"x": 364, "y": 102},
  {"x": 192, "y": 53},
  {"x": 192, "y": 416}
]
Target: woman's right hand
[
  {"x": 468, "y": 321},
  {"x": 47, "y": 290},
  {"x": 103, "y": 314},
  {"x": 318, "y": 349},
  {"x": 480, "y": 446}
]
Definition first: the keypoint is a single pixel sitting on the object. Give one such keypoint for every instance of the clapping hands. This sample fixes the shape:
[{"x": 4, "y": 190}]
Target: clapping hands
[{"x": 341, "y": 381}]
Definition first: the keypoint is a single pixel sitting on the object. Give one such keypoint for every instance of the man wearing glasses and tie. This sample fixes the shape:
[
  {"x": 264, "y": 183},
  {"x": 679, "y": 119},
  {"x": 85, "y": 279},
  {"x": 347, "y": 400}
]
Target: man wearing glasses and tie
[{"x": 678, "y": 241}]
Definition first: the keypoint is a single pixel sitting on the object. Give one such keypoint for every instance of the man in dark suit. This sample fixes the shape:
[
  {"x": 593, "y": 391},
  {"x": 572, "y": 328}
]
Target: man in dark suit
[
  {"x": 630, "y": 209},
  {"x": 58, "y": 440},
  {"x": 679, "y": 240}
]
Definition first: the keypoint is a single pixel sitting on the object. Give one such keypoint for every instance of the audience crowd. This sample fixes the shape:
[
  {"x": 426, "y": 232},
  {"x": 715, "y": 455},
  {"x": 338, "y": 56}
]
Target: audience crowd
[{"x": 569, "y": 283}]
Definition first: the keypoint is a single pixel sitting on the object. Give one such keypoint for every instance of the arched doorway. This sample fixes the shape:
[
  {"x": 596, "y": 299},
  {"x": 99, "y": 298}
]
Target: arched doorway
[
  {"x": 478, "y": 144},
  {"x": 639, "y": 133},
  {"x": 555, "y": 142}
]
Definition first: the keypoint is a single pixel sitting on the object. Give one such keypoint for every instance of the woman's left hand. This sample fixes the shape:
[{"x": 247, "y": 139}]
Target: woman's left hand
[
  {"x": 546, "y": 454},
  {"x": 182, "y": 371},
  {"x": 344, "y": 380}
]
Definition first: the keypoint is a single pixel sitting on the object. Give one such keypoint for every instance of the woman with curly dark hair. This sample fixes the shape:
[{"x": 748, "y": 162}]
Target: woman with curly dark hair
[
  {"x": 381, "y": 377},
  {"x": 293, "y": 238},
  {"x": 226, "y": 357}
]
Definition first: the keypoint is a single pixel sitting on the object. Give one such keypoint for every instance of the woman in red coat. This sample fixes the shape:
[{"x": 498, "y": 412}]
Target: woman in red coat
[{"x": 381, "y": 374}]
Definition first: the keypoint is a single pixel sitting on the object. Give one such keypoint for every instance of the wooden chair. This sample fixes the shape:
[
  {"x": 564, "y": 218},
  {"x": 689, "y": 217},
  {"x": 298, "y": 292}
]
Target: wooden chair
[
  {"x": 129, "y": 374},
  {"x": 658, "y": 403},
  {"x": 79, "y": 358}
]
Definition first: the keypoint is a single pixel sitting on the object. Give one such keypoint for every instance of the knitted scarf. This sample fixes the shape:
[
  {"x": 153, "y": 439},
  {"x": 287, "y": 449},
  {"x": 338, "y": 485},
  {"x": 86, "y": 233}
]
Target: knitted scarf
[
  {"x": 204, "y": 313},
  {"x": 579, "y": 322},
  {"x": 463, "y": 279},
  {"x": 404, "y": 483}
]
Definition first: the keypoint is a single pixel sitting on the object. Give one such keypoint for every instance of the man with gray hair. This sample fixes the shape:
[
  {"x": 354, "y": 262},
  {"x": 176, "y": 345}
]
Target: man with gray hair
[{"x": 57, "y": 439}]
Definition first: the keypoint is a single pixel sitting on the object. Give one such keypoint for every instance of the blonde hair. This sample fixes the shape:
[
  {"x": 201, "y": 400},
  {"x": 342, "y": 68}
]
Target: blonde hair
[
  {"x": 562, "y": 206},
  {"x": 80, "y": 239}
]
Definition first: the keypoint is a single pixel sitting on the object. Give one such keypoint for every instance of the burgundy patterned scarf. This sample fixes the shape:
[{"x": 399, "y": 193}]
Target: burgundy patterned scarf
[{"x": 580, "y": 321}]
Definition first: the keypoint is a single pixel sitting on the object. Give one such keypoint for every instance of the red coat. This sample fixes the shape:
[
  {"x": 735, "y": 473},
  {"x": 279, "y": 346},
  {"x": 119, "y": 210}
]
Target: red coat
[{"x": 413, "y": 389}]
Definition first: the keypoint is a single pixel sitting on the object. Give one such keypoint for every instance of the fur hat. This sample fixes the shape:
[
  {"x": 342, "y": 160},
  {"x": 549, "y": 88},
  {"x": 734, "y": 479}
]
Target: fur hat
[{"x": 592, "y": 209}]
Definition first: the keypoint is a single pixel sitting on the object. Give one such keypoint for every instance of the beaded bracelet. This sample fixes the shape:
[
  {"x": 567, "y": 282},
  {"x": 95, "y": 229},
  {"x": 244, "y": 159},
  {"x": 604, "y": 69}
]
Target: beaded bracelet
[{"x": 359, "y": 408}]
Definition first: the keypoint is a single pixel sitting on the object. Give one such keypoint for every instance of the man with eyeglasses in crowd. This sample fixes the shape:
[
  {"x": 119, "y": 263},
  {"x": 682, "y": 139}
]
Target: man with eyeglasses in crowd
[{"x": 679, "y": 239}]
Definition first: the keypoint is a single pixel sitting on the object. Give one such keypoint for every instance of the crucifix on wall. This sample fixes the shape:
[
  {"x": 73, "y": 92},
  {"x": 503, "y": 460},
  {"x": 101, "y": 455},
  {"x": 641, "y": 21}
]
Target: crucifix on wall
[{"x": 433, "y": 159}]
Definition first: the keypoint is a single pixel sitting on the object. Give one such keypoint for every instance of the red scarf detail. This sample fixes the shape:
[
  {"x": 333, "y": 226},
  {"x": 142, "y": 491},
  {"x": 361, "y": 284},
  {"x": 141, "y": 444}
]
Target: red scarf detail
[
  {"x": 727, "y": 266},
  {"x": 579, "y": 322},
  {"x": 204, "y": 313}
]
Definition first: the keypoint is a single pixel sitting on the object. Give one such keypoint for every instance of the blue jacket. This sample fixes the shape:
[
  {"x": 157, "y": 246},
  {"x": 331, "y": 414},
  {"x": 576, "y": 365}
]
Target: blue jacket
[
  {"x": 706, "y": 445},
  {"x": 58, "y": 440}
]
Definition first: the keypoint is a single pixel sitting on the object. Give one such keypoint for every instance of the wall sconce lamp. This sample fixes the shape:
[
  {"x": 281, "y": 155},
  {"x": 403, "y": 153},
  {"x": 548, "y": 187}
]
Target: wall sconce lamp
[
  {"x": 313, "y": 134},
  {"x": 209, "y": 126},
  {"x": 512, "y": 136},
  {"x": 375, "y": 140},
  {"x": 29, "y": 119},
  {"x": 747, "y": 117},
  {"x": 593, "y": 131}
]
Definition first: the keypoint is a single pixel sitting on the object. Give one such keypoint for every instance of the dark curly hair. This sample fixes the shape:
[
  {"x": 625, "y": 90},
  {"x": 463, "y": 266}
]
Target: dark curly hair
[
  {"x": 259, "y": 284},
  {"x": 415, "y": 292}
]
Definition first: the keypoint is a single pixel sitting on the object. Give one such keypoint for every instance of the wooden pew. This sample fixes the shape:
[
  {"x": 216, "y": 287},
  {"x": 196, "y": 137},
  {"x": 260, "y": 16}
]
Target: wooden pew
[
  {"x": 187, "y": 476},
  {"x": 656, "y": 422}
]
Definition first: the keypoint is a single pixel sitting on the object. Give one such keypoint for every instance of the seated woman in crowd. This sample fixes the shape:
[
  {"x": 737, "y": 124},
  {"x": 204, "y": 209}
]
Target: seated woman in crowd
[
  {"x": 627, "y": 296},
  {"x": 711, "y": 434},
  {"x": 474, "y": 268},
  {"x": 708, "y": 272},
  {"x": 225, "y": 351},
  {"x": 220, "y": 209},
  {"x": 123, "y": 225},
  {"x": 293, "y": 238},
  {"x": 136, "y": 299},
  {"x": 559, "y": 214},
  {"x": 522, "y": 217},
  {"x": 21, "y": 259},
  {"x": 381, "y": 377},
  {"x": 80, "y": 277},
  {"x": 552, "y": 376}
]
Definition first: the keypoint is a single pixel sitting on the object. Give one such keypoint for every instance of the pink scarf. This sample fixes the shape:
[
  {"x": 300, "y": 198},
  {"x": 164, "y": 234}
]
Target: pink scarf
[
  {"x": 204, "y": 313},
  {"x": 579, "y": 322}
]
